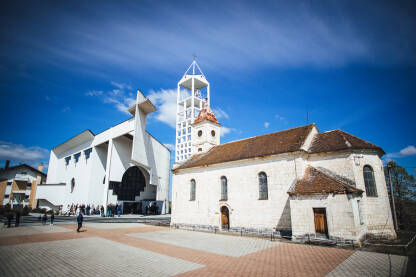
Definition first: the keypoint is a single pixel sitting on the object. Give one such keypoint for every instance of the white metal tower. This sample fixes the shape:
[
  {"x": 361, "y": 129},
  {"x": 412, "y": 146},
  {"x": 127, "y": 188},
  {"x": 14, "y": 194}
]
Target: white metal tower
[{"x": 193, "y": 93}]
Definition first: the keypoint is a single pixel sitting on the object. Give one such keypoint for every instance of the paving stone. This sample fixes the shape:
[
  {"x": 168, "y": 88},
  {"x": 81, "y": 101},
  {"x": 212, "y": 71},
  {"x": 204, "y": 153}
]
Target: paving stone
[
  {"x": 233, "y": 246},
  {"x": 363, "y": 263},
  {"x": 31, "y": 230},
  {"x": 87, "y": 257},
  {"x": 113, "y": 225}
]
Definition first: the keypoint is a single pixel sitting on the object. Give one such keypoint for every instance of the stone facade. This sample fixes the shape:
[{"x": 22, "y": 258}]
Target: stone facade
[{"x": 349, "y": 216}]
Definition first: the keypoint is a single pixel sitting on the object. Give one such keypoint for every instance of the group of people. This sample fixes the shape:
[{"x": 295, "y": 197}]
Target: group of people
[
  {"x": 10, "y": 218},
  {"x": 75, "y": 209},
  {"x": 44, "y": 218},
  {"x": 112, "y": 210}
]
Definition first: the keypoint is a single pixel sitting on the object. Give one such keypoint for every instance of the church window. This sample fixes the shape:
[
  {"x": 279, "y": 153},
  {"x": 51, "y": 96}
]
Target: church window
[
  {"x": 179, "y": 140},
  {"x": 263, "y": 190},
  {"x": 213, "y": 133},
  {"x": 76, "y": 157},
  {"x": 200, "y": 133},
  {"x": 189, "y": 150},
  {"x": 72, "y": 184},
  {"x": 192, "y": 196},
  {"x": 189, "y": 137},
  {"x": 67, "y": 159},
  {"x": 179, "y": 133},
  {"x": 87, "y": 153},
  {"x": 189, "y": 129},
  {"x": 186, "y": 150},
  {"x": 199, "y": 149},
  {"x": 369, "y": 181},
  {"x": 224, "y": 188}
]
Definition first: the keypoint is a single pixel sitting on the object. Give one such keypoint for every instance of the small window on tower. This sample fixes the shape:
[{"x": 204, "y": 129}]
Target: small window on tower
[
  {"x": 200, "y": 133},
  {"x": 213, "y": 133},
  {"x": 189, "y": 137},
  {"x": 199, "y": 149},
  {"x": 189, "y": 129}
]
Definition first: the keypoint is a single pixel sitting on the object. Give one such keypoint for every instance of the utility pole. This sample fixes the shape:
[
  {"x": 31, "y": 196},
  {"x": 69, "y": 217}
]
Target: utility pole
[{"x": 392, "y": 199}]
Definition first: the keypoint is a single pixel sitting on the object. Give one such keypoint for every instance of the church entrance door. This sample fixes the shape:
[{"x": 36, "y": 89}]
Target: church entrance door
[
  {"x": 321, "y": 227},
  {"x": 225, "y": 218}
]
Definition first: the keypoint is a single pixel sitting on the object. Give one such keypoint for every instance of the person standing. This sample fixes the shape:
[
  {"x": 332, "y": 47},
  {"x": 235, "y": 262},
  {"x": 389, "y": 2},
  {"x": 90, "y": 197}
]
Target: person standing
[
  {"x": 9, "y": 219},
  {"x": 52, "y": 218},
  {"x": 44, "y": 219},
  {"x": 17, "y": 219},
  {"x": 79, "y": 220}
]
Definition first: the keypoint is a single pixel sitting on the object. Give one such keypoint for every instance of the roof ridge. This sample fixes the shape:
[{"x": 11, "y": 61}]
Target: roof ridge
[
  {"x": 358, "y": 138},
  {"x": 268, "y": 134}
]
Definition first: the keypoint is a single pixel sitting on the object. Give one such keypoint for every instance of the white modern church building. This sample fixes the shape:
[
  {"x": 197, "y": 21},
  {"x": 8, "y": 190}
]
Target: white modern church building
[{"x": 122, "y": 165}]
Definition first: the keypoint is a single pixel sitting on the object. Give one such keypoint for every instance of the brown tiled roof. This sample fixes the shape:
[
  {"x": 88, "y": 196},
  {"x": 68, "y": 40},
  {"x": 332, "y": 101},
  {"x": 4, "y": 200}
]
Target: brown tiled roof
[
  {"x": 339, "y": 140},
  {"x": 316, "y": 182},
  {"x": 206, "y": 114},
  {"x": 290, "y": 140}
]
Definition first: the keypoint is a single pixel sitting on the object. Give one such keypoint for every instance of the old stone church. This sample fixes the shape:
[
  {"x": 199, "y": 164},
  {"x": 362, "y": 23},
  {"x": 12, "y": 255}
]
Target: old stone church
[{"x": 298, "y": 181}]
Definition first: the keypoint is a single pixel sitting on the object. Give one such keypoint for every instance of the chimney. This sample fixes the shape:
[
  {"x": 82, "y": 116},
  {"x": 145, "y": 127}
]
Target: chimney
[
  {"x": 40, "y": 167},
  {"x": 6, "y": 166}
]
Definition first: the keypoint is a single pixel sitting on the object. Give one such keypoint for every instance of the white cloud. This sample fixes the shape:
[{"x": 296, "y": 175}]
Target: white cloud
[
  {"x": 20, "y": 153},
  {"x": 94, "y": 93},
  {"x": 219, "y": 113},
  {"x": 121, "y": 96},
  {"x": 225, "y": 130},
  {"x": 170, "y": 146},
  {"x": 279, "y": 117},
  {"x": 121, "y": 86},
  {"x": 407, "y": 151},
  {"x": 266, "y": 124},
  {"x": 165, "y": 100},
  {"x": 66, "y": 109}
]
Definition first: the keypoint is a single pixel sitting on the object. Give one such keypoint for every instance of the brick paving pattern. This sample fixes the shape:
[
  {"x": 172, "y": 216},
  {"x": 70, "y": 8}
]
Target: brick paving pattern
[
  {"x": 371, "y": 264},
  {"x": 135, "y": 249},
  {"x": 31, "y": 230},
  {"x": 219, "y": 244},
  {"x": 88, "y": 257}
]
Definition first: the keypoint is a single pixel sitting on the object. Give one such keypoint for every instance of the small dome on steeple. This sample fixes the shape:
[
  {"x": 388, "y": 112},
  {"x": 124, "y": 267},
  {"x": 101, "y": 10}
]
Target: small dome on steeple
[{"x": 206, "y": 114}]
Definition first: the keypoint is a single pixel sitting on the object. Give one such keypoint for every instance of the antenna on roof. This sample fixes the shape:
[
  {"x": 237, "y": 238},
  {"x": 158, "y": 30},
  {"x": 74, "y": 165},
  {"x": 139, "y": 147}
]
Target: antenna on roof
[{"x": 193, "y": 63}]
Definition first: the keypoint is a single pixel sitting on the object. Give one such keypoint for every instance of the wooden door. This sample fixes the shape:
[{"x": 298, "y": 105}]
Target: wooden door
[
  {"x": 320, "y": 220},
  {"x": 225, "y": 221}
]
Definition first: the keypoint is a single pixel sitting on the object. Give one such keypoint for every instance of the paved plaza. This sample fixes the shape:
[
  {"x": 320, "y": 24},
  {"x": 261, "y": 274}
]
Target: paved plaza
[{"x": 134, "y": 249}]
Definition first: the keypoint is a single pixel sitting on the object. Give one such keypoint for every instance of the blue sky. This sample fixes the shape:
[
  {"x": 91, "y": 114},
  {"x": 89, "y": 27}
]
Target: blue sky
[{"x": 67, "y": 66}]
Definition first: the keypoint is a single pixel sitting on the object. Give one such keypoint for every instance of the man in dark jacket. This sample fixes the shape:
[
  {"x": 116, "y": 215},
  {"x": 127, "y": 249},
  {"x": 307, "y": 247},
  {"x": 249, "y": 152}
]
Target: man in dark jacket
[
  {"x": 9, "y": 219},
  {"x": 79, "y": 220},
  {"x": 17, "y": 219}
]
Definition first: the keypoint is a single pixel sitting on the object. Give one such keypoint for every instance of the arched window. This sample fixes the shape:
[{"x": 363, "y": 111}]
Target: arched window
[
  {"x": 369, "y": 181},
  {"x": 263, "y": 190},
  {"x": 224, "y": 188},
  {"x": 72, "y": 184},
  {"x": 192, "y": 197}
]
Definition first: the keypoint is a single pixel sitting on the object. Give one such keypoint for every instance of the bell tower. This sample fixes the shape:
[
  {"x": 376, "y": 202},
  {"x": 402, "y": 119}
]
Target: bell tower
[
  {"x": 205, "y": 131},
  {"x": 193, "y": 94}
]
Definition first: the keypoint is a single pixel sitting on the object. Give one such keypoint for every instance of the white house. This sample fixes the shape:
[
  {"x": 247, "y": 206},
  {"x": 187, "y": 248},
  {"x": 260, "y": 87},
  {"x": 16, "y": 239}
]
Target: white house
[
  {"x": 121, "y": 165},
  {"x": 297, "y": 181}
]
